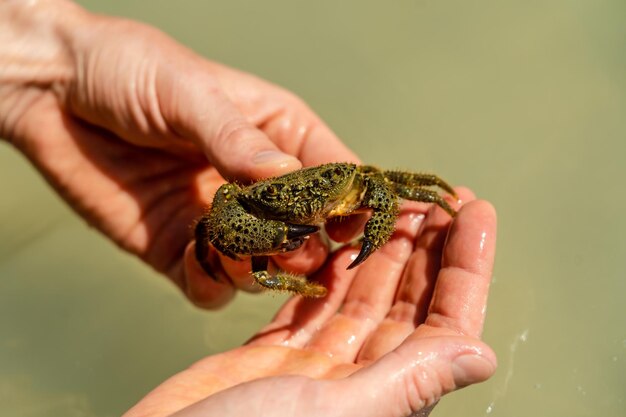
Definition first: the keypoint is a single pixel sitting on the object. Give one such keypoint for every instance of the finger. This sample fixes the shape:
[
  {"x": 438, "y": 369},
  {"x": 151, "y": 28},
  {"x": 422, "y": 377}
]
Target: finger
[
  {"x": 417, "y": 375},
  {"x": 320, "y": 145},
  {"x": 202, "y": 290},
  {"x": 371, "y": 293},
  {"x": 240, "y": 273},
  {"x": 416, "y": 287},
  {"x": 419, "y": 279},
  {"x": 305, "y": 260},
  {"x": 235, "y": 146},
  {"x": 298, "y": 131},
  {"x": 387, "y": 336},
  {"x": 460, "y": 296},
  {"x": 284, "y": 117}
]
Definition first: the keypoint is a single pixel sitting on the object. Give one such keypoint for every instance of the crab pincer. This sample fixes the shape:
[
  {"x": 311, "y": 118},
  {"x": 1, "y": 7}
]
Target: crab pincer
[{"x": 367, "y": 248}]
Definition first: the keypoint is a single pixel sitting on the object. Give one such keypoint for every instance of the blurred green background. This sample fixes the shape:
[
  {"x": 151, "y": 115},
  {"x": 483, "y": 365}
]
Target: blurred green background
[{"x": 524, "y": 101}]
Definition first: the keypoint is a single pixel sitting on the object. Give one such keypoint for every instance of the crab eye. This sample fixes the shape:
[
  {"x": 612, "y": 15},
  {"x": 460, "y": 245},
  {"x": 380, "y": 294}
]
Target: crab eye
[
  {"x": 320, "y": 182},
  {"x": 272, "y": 190},
  {"x": 328, "y": 174},
  {"x": 334, "y": 174}
]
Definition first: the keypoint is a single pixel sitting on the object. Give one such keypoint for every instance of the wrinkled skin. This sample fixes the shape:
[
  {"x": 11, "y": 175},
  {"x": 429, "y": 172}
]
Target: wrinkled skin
[
  {"x": 137, "y": 132},
  {"x": 278, "y": 214}
]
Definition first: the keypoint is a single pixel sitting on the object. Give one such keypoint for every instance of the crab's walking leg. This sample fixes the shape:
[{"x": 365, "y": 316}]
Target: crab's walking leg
[
  {"x": 202, "y": 246},
  {"x": 282, "y": 281},
  {"x": 424, "y": 195},
  {"x": 378, "y": 229},
  {"x": 413, "y": 179}
]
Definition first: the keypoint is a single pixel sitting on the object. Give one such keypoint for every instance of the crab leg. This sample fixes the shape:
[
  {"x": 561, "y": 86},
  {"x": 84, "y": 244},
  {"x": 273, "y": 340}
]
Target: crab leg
[
  {"x": 202, "y": 246},
  {"x": 423, "y": 195},
  {"x": 413, "y": 179},
  {"x": 283, "y": 281},
  {"x": 378, "y": 229}
]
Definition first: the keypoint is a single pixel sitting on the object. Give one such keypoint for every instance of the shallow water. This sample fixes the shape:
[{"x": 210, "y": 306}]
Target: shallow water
[{"x": 525, "y": 102}]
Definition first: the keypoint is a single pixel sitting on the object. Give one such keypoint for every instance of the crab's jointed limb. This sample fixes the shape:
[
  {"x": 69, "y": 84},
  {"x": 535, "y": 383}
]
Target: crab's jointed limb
[
  {"x": 379, "y": 228},
  {"x": 283, "y": 281},
  {"x": 411, "y": 186}
]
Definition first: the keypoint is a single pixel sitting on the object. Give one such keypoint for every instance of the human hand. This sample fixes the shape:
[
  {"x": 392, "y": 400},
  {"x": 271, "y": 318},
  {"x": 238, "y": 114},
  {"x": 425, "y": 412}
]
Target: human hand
[
  {"x": 392, "y": 337},
  {"x": 136, "y": 132}
]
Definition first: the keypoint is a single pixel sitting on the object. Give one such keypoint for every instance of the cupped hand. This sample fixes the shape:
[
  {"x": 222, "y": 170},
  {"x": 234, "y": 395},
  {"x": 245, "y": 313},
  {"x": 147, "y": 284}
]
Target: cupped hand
[
  {"x": 136, "y": 132},
  {"x": 392, "y": 337}
]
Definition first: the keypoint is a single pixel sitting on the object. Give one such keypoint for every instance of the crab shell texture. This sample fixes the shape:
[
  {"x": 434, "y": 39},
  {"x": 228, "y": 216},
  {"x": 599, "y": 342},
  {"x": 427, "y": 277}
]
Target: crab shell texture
[{"x": 277, "y": 214}]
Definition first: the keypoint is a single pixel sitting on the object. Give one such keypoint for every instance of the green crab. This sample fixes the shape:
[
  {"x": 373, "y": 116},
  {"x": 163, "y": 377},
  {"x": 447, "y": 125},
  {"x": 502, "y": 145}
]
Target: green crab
[{"x": 278, "y": 214}]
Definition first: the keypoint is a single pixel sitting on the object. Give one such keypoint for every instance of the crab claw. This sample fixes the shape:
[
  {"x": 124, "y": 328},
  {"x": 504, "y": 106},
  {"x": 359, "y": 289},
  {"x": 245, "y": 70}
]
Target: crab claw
[
  {"x": 366, "y": 250},
  {"x": 299, "y": 230}
]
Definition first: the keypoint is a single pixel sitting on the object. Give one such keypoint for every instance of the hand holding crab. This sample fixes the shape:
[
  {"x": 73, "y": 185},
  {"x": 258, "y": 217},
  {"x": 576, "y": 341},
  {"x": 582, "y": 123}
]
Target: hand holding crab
[
  {"x": 276, "y": 215},
  {"x": 397, "y": 333}
]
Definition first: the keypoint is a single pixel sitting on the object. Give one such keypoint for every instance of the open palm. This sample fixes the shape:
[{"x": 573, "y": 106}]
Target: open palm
[{"x": 391, "y": 338}]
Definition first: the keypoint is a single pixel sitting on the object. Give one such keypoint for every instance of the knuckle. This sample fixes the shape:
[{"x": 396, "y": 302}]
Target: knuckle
[{"x": 233, "y": 132}]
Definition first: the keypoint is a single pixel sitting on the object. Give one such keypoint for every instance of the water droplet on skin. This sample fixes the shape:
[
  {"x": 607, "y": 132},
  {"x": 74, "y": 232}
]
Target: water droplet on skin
[
  {"x": 483, "y": 237},
  {"x": 416, "y": 218}
]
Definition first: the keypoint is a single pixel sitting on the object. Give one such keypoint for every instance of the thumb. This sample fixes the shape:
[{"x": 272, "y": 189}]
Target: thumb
[
  {"x": 231, "y": 143},
  {"x": 418, "y": 373}
]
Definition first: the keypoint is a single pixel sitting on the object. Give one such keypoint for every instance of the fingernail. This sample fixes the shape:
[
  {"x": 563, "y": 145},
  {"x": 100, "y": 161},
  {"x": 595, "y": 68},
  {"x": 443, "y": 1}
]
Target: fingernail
[
  {"x": 273, "y": 163},
  {"x": 470, "y": 369},
  {"x": 273, "y": 158}
]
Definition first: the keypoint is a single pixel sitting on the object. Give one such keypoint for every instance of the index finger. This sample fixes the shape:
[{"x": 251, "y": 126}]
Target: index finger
[
  {"x": 460, "y": 296},
  {"x": 283, "y": 117}
]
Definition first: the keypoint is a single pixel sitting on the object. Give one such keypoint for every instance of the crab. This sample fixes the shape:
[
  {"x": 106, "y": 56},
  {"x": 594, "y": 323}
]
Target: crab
[{"x": 277, "y": 215}]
